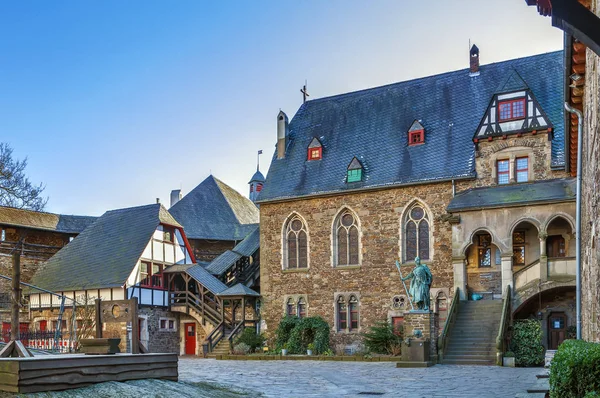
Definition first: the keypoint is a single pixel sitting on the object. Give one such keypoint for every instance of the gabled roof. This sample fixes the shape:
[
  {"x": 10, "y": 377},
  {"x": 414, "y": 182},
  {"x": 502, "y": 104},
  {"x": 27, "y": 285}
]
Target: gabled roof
[
  {"x": 104, "y": 254},
  {"x": 214, "y": 210},
  {"x": 416, "y": 126},
  {"x": 239, "y": 290},
  {"x": 372, "y": 124},
  {"x": 513, "y": 82},
  {"x": 225, "y": 260},
  {"x": 14, "y": 217},
  {"x": 546, "y": 191}
]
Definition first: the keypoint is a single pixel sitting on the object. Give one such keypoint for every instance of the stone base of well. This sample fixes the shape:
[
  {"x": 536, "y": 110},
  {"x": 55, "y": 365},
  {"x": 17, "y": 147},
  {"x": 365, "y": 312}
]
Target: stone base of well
[{"x": 423, "y": 349}]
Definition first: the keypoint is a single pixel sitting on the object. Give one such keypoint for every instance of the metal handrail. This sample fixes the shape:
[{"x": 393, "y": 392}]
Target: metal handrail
[
  {"x": 449, "y": 320},
  {"x": 504, "y": 323}
]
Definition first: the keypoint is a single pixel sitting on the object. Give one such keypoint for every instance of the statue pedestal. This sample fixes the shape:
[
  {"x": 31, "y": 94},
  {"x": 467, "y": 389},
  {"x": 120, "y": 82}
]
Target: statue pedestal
[{"x": 422, "y": 351}]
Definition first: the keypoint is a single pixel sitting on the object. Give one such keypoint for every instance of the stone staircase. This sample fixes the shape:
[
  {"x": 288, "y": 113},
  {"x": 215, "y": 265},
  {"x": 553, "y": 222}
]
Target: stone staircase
[{"x": 472, "y": 338}]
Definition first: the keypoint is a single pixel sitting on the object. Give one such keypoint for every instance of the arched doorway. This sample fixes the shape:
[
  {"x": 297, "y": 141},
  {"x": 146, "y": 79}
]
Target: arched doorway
[
  {"x": 483, "y": 265},
  {"x": 555, "y": 310}
]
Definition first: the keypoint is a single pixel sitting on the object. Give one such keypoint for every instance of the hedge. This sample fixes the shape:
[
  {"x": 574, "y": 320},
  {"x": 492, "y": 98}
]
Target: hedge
[
  {"x": 526, "y": 343},
  {"x": 575, "y": 370},
  {"x": 297, "y": 333}
]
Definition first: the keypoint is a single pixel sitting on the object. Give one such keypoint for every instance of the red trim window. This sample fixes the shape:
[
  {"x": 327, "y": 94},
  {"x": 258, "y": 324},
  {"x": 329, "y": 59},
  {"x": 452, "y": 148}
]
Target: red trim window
[
  {"x": 157, "y": 276},
  {"x": 145, "y": 274},
  {"x": 503, "y": 168},
  {"x": 511, "y": 110},
  {"x": 315, "y": 153},
  {"x": 522, "y": 166},
  {"x": 416, "y": 137},
  {"x": 259, "y": 187}
]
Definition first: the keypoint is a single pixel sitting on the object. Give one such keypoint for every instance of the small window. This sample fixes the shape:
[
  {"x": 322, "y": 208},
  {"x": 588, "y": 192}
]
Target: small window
[
  {"x": 301, "y": 308},
  {"x": 416, "y": 137},
  {"x": 167, "y": 324},
  {"x": 157, "y": 276},
  {"x": 354, "y": 175},
  {"x": 315, "y": 153},
  {"x": 485, "y": 250},
  {"x": 522, "y": 166},
  {"x": 168, "y": 234},
  {"x": 342, "y": 311},
  {"x": 519, "y": 248},
  {"x": 511, "y": 110},
  {"x": 258, "y": 187},
  {"x": 347, "y": 313},
  {"x": 291, "y": 307},
  {"x": 353, "y": 308},
  {"x": 503, "y": 169},
  {"x": 145, "y": 274}
]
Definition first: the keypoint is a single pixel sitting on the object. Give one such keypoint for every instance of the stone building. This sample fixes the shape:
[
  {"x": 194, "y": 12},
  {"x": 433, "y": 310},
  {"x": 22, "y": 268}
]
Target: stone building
[
  {"x": 465, "y": 169},
  {"x": 42, "y": 235}
]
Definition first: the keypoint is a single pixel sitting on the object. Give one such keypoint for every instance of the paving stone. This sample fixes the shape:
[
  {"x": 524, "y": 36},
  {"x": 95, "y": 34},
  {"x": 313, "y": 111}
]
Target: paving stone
[{"x": 350, "y": 379}]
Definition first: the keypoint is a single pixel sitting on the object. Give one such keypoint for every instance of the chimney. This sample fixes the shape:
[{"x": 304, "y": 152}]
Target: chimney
[
  {"x": 474, "y": 61},
  {"x": 157, "y": 201},
  {"x": 282, "y": 133},
  {"x": 175, "y": 196}
]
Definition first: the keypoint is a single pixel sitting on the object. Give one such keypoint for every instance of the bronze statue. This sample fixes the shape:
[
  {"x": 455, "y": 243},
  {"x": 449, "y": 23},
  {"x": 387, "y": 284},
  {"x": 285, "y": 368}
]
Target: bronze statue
[{"x": 420, "y": 283}]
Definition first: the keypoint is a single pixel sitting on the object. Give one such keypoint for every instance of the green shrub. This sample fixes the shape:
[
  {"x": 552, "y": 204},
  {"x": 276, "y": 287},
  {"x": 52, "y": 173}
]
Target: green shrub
[
  {"x": 309, "y": 330},
  {"x": 250, "y": 338},
  {"x": 575, "y": 370},
  {"x": 241, "y": 349},
  {"x": 592, "y": 394},
  {"x": 284, "y": 329},
  {"x": 526, "y": 343},
  {"x": 381, "y": 339}
]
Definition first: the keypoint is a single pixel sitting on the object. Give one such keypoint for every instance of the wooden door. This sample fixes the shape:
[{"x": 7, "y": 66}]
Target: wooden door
[
  {"x": 190, "y": 339},
  {"x": 557, "y": 329}
]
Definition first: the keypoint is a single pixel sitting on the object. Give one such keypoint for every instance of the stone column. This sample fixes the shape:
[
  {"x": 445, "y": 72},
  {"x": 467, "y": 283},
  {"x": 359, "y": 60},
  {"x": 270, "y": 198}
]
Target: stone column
[
  {"x": 543, "y": 258},
  {"x": 511, "y": 168},
  {"x": 507, "y": 272},
  {"x": 460, "y": 276}
]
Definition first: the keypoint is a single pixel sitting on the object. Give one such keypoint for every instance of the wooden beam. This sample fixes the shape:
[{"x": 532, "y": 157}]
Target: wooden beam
[
  {"x": 98, "y": 319},
  {"x": 135, "y": 327}
]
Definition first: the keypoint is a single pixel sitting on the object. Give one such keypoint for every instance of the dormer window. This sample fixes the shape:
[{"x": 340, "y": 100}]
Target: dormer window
[
  {"x": 511, "y": 110},
  {"x": 354, "y": 171},
  {"x": 416, "y": 134},
  {"x": 315, "y": 150}
]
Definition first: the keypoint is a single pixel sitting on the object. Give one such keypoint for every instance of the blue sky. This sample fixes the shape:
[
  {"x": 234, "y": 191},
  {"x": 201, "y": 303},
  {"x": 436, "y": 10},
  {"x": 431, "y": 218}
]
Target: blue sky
[{"x": 115, "y": 103}]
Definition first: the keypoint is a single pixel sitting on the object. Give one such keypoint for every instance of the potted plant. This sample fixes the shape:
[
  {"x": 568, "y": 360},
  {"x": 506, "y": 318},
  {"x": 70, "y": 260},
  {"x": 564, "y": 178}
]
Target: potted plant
[
  {"x": 509, "y": 359},
  {"x": 310, "y": 349},
  {"x": 284, "y": 350}
]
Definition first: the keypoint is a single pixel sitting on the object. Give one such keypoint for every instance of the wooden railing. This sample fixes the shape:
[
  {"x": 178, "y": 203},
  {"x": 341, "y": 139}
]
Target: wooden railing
[
  {"x": 501, "y": 340},
  {"x": 207, "y": 308},
  {"x": 239, "y": 328},
  {"x": 449, "y": 321},
  {"x": 215, "y": 336}
]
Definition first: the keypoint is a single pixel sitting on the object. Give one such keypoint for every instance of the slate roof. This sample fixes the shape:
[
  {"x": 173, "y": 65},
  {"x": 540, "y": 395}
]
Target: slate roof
[
  {"x": 250, "y": 244},
  {"x": 225, "y": 260},
  {"x": 44, "y": 221},
  {"x": 206, "y": 279},
  {"x": 239, "y": 290},
  {"x": 372, "y": 125},
  {"x": 105, "y": 253},
  {"x": 258, "y": 176},
  {"x": 547, "y": 191},
  {"x": 214, "y": 210}
]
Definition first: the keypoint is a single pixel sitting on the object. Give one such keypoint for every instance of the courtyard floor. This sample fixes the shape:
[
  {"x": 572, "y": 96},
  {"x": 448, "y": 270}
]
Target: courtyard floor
[{"x": 284, "y": 379}]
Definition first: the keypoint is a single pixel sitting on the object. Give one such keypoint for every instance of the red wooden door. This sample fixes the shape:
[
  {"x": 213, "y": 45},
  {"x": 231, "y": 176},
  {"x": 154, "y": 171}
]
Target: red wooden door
[
  {"x": 6, "y": 331},
  {"x": 43, "y": 326},
  {"x": 190, "y": 339}
]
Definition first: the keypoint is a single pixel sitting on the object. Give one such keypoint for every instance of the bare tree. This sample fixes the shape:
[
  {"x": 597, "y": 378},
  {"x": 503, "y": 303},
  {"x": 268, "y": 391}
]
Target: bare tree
[{"x": 15, "y": 188}]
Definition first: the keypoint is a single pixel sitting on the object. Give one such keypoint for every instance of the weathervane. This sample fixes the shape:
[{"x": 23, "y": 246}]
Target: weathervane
[
  {"x": 304, "y": 93},
  {"x": 258, "y": 159}
]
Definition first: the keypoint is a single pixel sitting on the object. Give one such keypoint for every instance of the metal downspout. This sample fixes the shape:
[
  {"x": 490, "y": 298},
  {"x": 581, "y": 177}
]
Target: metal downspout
[{"x": 578, "y": 216}]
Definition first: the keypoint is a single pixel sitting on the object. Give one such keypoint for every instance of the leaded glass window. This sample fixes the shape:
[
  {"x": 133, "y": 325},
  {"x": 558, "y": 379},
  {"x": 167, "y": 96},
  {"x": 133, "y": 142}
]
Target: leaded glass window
[
  {"x": 291, "y": 307},
  {"x": 296, "y": 244},
  {"x": 484, "y": 242},
  {"x": 353, "y": 309},
  {"x": 346, "y": 238},
  {"x": 416, "y": 232},
  {"x": 301, "y": 308},
  {"x": 519, "y": 248},
  {"x": 342, "y": 312}
]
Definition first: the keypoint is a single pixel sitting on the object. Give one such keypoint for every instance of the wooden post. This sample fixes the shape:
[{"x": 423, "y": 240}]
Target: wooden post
[
  {"x": 16, "y": 299},
  {"x": 135, "y": 327},
  {"x": 243, "y": 313},
  {"x": 98, "y": 320}
]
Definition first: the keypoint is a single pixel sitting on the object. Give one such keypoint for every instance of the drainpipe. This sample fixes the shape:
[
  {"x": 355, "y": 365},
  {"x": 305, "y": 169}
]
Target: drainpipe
[{"x": 578, "y": 216}]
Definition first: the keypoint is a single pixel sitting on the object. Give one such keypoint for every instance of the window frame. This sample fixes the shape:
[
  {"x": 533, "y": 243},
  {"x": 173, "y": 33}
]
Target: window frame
[
  {"x": 519, "y": 245},
  {"x": 498, "y": 172},
  {"x": 146, "y": 281},
  {"x": 556, "y": 242},
  {"x": 167, "y": 324},
  {"x": 512, "y": 102},
  {"x": 407, "y": 219},
  {"x": 350, "y": 250},
  {"x": 347, "y": 313},
  {"x": 311, "y": 153},
  {"x": 484, "y": 247},
  {"x": 416, "y": 133},
  {"x": 288, "y": 231},
  {"x": 354, "y": 175},
  {"x": 168, "y": 230},
  {"x": 517, "y": 170}
]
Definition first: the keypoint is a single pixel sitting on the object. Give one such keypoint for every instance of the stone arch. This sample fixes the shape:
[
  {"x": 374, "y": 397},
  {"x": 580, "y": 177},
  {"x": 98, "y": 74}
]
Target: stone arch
[
  {"x": 292, "y": 216},
  {"x": 402, "y": 235},
  {"x": 565, "y": 216},
  {"x": 522, "y": 297},
  {"x": 531, "y": 220},
  {"x": 470, "y": 241},
  {"x": 334, "y": 224}
]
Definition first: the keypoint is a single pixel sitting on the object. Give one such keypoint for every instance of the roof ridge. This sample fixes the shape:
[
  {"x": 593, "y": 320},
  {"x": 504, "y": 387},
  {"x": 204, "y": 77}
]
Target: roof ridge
[
  {"x": 518, "y": 184},
  {"x": 247, "y": 201},
  {"x": 420, "y": 78},
  {"x": 43, "y": 212}
]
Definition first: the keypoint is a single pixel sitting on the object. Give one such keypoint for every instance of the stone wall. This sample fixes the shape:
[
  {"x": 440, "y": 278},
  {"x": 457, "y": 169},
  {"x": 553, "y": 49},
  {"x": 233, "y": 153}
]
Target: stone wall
[
  {"x": 590, "y": 211},
  {"x": 428, "y": 324},
  {"x": 376, "y": 281},
  {"x": 161, "y": 340},
  {"x": 208, "y": 250}
]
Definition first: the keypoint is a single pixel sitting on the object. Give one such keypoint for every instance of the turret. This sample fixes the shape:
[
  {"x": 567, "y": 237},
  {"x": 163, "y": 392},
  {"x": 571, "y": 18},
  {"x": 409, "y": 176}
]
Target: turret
[{"x": 282, "y": 133}]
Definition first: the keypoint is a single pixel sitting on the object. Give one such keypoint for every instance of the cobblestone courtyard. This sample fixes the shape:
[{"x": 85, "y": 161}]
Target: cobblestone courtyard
[{"x": 336, "y": 379}]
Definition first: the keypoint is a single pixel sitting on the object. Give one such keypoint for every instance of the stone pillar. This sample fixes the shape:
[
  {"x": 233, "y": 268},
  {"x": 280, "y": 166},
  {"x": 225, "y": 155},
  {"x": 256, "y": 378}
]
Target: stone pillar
[
  {"x": 543, "y": 258},
  {"x": 511, "y": 168},
  {"x": 425, "y": 321},
  {"x": 460, "y": 276},
  {"x": 507, "y": 272}
]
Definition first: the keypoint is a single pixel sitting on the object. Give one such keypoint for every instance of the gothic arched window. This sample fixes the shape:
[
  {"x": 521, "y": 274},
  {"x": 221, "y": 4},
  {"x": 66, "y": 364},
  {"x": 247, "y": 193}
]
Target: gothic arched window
[
  {"x": 416, "y": 234},
  {"x": 346, "y": 247},
  {"x": 296, "y": 244}
]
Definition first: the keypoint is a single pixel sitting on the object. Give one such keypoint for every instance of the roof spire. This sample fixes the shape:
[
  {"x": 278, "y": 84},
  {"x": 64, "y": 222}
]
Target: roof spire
[
  {"x": 304, "y": 92},
  {"x": 258, "y": 159}
]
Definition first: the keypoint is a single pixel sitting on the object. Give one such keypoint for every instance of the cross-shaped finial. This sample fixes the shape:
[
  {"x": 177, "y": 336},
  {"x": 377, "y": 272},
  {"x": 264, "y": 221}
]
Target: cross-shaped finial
[{"x": 304, "y": 93}]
